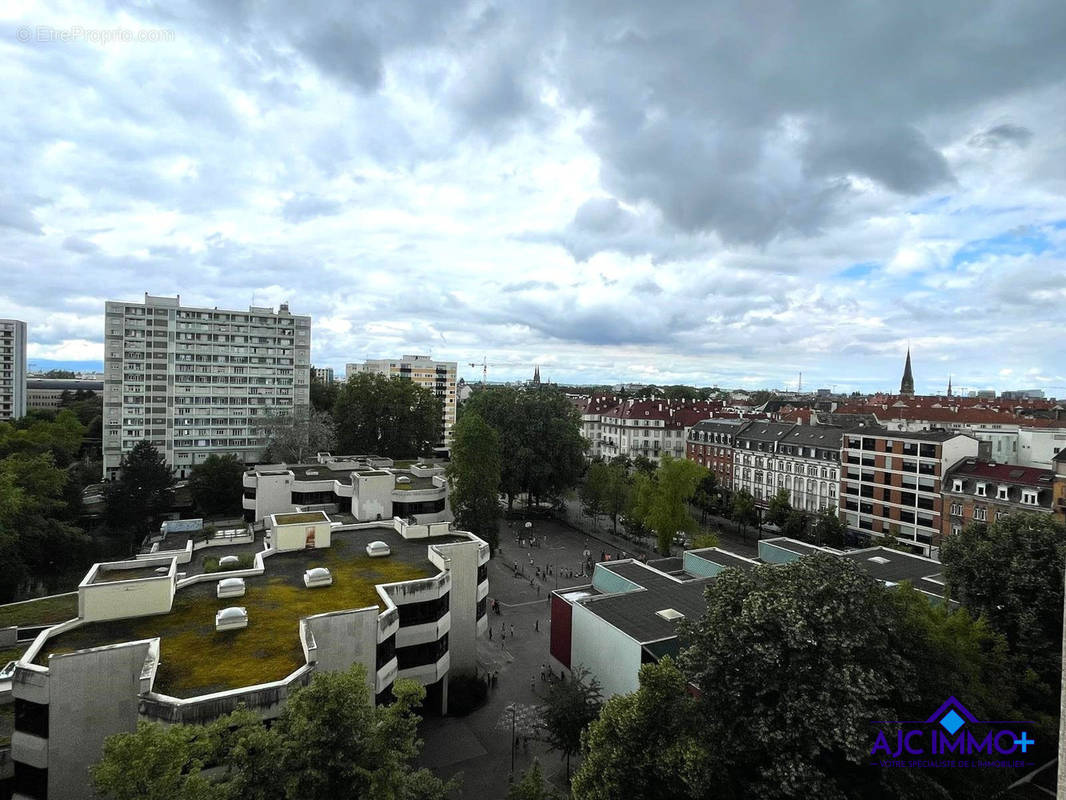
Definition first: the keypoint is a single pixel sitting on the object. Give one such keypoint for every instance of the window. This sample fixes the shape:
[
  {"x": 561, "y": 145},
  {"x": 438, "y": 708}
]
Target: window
[
  {"x": 981, "y": 490},
  {"x": 980, "y": 513},
  {"x": 956, "y": 509},
  {"x": 1002, "y": 493},
  {"x": 956, "y": 485},
  {"x": 1028, "y": 497}
]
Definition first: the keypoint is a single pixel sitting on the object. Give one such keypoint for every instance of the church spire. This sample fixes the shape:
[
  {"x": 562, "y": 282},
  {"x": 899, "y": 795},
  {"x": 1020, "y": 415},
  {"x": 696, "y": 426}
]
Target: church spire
[
  {"x": 906, "y": 386},
  {"x": 949, "y": 385},
  {"x": 536, "y": 375}
]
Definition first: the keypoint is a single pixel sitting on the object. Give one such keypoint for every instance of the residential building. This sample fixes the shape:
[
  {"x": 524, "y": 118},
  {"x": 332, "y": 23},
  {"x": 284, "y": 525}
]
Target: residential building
[
  {"x": 711, "y": 444},
  {"x": 628, "y": 615},
  {"x": 47, "y": 393},
  {"x": 12, "y": 369},
  {"x": 977, "y": 490},
  {"x": 892, "y": 482},
  {"x": 632, "y": 428},
  {"x": 437, "y": 376},
  {"x": 322, "y": 374},
  {"x": 416, "y": 613},
  {"x": 804, "y": 460},
  {"x": 196, "y": 381},
  {"x": 370, "y": 488}
]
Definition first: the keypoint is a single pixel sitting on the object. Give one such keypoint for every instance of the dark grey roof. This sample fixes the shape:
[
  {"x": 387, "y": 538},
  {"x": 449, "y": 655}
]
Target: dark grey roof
[
  {"x": 899, "y": 567},
  {"x": 1060, "y": 456},
  {"x": 814, "y": 436},
  {"x": 721, "y": 425},
  {"x": 925, "y": 436},
  {"x": 848, "y": 420},
  {"x": 766, "y": 431},
  {"x": 634, "y": 613}
]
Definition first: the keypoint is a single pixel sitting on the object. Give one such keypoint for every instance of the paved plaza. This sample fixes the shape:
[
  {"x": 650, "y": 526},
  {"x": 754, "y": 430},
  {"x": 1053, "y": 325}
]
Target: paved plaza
[{"x": 479, "y": 745}]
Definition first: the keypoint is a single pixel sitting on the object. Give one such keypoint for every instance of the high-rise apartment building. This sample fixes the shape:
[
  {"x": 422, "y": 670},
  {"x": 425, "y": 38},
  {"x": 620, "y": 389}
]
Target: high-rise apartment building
[
  {"x": 12, "y": 369},
  {"x": 197, "y": 381},
  {"x": 437, "y": 376},
  {"x": 322, "y": 374}
]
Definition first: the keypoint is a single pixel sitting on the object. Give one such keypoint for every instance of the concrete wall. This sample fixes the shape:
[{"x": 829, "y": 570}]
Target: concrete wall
[
  {"x": 343, "y": 638},
  {"x": 273, "y": 494},
  {"x": 461, "y": 560},
  {"x": 120, "y": 599},
  {"x": 295, "y": 536},
  {"x": 93, "y": 694},
  {"x": 610, "y": 583},
  {"x": 610, "y": 656},
  {"x": 372, "y": 495},
  {"x": 953, "y": 450}
]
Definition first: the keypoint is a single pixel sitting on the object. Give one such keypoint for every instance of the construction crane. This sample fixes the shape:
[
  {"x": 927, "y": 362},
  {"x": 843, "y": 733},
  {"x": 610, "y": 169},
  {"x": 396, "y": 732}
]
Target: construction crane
[{"x": 484, "y": 364}]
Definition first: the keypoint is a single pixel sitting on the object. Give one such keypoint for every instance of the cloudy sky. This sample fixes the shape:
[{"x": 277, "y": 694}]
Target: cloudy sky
[{"x": 682, "y": 192}]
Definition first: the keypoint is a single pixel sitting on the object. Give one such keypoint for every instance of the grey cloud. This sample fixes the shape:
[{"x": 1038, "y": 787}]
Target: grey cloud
[
  {"x": 76, "y": 244},
  {"x": 304, "y": 207},
  {"x": 526, "y": 286},
  {"x": 1001, "y": 135},
  {"x": 648, "y": 287}
]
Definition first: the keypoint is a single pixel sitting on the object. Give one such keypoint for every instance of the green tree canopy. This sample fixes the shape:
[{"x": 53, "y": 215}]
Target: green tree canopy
[
  {"x": 568, "y": 709},
  {"x": 639, "y": 744},
  {"x": 391, "y": 417},
  {"x": 217, "y": 485},
  {"x": 743, "y": 510},
  {"x": 141, "y": 494},
  {"x": 792, "y": 663},
  {"x": 329, "y": 743},
  {"x": 663, "y": 500},
  {"x": 474, "y": 477},
  {"x": 828, "y": 528},
  {"x": 542, "y": 451},
  {"x": 296, "y": 438},
  {"x": 779, "y": 508},
  {"x": 1011, "y": 573}
]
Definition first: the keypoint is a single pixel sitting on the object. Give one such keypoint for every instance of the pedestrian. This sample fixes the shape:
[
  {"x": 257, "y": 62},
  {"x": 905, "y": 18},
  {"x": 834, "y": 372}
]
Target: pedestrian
[
  {"x": 490, "y": 633},
  {"x": 503, "y": 632},
  {"x": 512, "y": 630},
  {"x": 536, "y": 625},
  {"x": 532, "y": 686},
  {"x": 538, "y": 591},
  {"x": 542, "y": 671},
  {"x": 495, "y": 677}
]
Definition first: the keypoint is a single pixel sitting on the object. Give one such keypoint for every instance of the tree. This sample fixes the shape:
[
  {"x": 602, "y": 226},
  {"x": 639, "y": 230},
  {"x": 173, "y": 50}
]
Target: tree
[
  {"x": 779, "y": 508},
  {"x": 217, "y": 484},
  {"x": 615, "y": 493},
  {"x": 664, "y": 506},
  {"x": 644, "y": 464},
  {"x": 1011, "y": 573},
  {"x": 156, "y": 763},
  {"x": 796, "y": 525},
  {"x": 391, "y": 417},
  {"x": 569, "y": 707},
  {"x": 637, "y": 746},
  {"x": 474, "y": 477},
  {"x": 706, "y": 495},
  {"x": 141, "y": 494},
  {"x": 532, "y": 786},
  {"x": 323, "y": 393},
  {"x": 593, "y": 489},
  {"x": 744, "y": 512},
  {"x": 540, "y": 439},
  {"x": 828, "y": 529},
  {"x": 294, "y": 438},
  {"x": 329, "y": 743}
]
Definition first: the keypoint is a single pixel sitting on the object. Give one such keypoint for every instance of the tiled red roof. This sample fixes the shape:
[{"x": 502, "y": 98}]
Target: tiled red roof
[{"x": 1004, "y": 473}]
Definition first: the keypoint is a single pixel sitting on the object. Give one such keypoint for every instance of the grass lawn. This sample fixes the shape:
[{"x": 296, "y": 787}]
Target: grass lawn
[
  {"x": 195, "y": 659},
  {"x": 12, "y": 654},
  {"x": 46, "y": 611}
]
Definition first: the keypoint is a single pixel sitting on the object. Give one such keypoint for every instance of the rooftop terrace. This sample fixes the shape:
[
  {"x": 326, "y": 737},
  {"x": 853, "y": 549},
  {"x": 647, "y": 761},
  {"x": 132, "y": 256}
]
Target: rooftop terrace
[{"x": 195, "y": 659}]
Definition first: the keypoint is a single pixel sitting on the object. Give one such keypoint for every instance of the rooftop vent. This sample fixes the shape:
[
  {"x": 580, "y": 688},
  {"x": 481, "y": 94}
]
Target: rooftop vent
[
  {"x": 670, "y": 614},
  {"x": 878, "y": 559}
]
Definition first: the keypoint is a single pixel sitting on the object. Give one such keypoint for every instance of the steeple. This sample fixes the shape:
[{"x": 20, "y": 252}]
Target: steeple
[
  {"x": 536, "y": 375},
  {"x": 949, "y": 385},
  {"x": 906, "y": 386}
]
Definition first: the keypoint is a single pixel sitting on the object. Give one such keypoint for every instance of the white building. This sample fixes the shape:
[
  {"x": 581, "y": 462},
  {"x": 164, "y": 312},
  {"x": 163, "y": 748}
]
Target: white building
[
  {"x": 196, "y": 381},
  {"x": 322, "y": 374},
  {"x": 79, "y": 683},
  {"x": 631, "y": 428},
  {"x": 437, "y": 376},
  {"x": 12, "y": 369}
]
